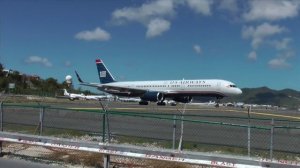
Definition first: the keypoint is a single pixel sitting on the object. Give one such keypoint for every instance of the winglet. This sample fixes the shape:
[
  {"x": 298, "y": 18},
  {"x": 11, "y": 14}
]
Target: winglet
[{"x": 78, "y": 77}]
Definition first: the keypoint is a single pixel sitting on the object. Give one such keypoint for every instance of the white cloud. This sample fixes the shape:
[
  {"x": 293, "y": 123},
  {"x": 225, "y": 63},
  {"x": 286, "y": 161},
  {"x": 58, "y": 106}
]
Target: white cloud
[
  {"x": 288, "y": 54},
  {"x": 197, "y": 49},
  {"x": 230, "y": 5},
  {"x": 259, "y": 33},
  {"x": 146, "y": 12},
  {"x": 156, "y": 27},
  {"x": 68, "y": 63},
  {"x": 164, "y": 10},
  {"x": 278, "y": 63},
  {"x": 38, "y": 60},
  {"x": 252, "y": 56},
  {"x": 97, "y": 34},
  {"x": 152, "y": 15},
  {"x": 200, "y": 6},
  {"x": 271, "y": 10},
  {"x": 283, "y": 44},
  {"x": 281, "y": 61}
]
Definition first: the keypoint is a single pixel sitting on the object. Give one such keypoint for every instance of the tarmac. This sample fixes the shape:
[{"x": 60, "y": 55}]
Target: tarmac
[
  {"x": 16, "y": 163},
  {"x": 222, "y": 126},
  {"x": 217, "y": 126}
]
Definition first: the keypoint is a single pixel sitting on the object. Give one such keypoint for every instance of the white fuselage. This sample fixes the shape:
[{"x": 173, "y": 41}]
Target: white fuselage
[
  {"x": 97, "y": 97},
  {"x": 156, "y": 91},
  {"x": 73, "y": 96},
  {"x": 201, "y": 87}
]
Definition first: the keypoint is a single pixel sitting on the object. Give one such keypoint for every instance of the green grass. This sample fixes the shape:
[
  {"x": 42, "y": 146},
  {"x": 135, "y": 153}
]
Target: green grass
[{"x": 25, "y": 129}]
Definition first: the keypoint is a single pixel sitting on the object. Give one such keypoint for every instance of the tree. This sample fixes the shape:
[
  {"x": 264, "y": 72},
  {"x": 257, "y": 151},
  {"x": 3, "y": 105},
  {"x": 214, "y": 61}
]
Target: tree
[
  {"x": 48, "y": 87},
  {"x": 1, "y": 70},
  {"x": 3, "y": 80},
  {"x": 51, "y": 85}
]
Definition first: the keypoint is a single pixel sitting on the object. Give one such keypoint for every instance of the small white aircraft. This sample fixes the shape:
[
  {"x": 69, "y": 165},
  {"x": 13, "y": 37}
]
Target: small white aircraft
[
  {"x": 98, "y": 97},
  {"x": 129, "y": 99},
  {"x": 73, "y": 96},
  {"x": 157, "y": 91},
  {"x": 210, "y": 103}
]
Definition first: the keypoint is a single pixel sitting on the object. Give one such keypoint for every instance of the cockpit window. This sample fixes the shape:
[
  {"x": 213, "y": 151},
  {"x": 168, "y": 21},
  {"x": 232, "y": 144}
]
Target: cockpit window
[{"x": 233, "y": 86}]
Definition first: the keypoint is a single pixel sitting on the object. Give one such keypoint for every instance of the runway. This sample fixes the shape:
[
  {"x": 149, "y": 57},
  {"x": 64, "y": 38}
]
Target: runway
[
  {"x": 265, "y": 114},
  {"x": 204, "y": 125}
]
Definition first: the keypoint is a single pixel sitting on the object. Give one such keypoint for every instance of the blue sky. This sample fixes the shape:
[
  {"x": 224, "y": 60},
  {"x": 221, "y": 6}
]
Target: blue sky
[{"x": 251, "y": 43}]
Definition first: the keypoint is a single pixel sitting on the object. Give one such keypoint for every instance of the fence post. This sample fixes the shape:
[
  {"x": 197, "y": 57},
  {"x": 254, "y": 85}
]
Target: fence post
[
  {"x": 106, "y": 161},
  {"x": 1, "y": 116},
  {"x": 103, "y": 127},
  {"x": 249, "y": 132},
  {"x": 174, "y": 131},
  {"x": 107, "y": 127},
  {"x": 271, "y": 142},
  {"x": 42, "y": 111},
  {"x": 181, "y": 131},
  {"x": 104, "y": 119},
  {"x": 1, "y": 125}
]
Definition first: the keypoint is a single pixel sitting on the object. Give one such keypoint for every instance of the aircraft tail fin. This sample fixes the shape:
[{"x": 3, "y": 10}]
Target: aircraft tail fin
[
  {"x": 66, "y": 92},
  {"x": 103, "y": 73},
  {"x": 78, "y": 77}
]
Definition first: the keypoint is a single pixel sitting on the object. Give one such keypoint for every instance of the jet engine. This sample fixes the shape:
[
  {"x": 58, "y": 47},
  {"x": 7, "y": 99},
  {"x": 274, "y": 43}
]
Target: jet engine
[
  {"x": 183, "y": 99},
  {"x": 153, "y": 96}
]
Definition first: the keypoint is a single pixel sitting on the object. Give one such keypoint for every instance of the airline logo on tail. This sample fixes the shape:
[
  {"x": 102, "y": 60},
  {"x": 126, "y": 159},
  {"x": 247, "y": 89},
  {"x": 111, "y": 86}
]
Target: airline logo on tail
[{"x": 103, "y": 73}]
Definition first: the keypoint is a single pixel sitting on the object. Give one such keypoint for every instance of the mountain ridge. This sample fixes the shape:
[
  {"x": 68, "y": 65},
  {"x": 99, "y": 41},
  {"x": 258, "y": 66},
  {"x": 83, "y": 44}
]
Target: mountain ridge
[{"x": 263, "y": 95}]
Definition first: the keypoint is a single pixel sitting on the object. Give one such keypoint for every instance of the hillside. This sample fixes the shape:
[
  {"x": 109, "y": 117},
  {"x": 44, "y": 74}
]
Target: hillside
[
  {"x": 264, "y": 95},
  {"x": 32, "y": 85}
]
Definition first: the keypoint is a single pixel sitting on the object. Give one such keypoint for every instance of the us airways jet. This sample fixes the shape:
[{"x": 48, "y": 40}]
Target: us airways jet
[{"x": 157, "y": 91}]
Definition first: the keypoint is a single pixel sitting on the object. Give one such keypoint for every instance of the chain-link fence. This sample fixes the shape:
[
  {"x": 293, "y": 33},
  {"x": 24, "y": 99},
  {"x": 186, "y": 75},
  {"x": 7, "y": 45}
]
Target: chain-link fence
[{"x": 266, "y": 138}]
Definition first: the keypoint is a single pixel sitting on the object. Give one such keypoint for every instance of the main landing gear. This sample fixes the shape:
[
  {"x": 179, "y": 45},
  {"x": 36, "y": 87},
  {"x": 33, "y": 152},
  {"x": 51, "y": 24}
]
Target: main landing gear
[
  {"x": 218, "y": 102},
  {"x": 143, "y": 103},
  {"x": 161, "y": 103}
]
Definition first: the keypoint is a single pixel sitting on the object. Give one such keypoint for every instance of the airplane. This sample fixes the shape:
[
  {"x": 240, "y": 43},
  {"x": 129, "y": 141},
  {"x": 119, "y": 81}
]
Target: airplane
[
  {"x": 73, "y": 96},
  {"x": 157, "y": 91},
  {"x": 129, "y": 99},
  {"x": 98, "y": 97},
  {"x": 210, "y": 103}
]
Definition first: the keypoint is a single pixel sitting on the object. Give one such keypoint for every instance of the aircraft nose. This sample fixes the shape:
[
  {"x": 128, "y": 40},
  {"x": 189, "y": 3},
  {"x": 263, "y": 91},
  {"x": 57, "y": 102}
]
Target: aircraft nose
[{"x": 239, "y": 91}]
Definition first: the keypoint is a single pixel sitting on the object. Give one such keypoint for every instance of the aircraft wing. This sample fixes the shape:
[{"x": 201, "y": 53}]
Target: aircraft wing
[
  {"x": 122, "y": 90},
  {"x": 116, "y": 89},
  {"x": 97, "y": 85}
]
